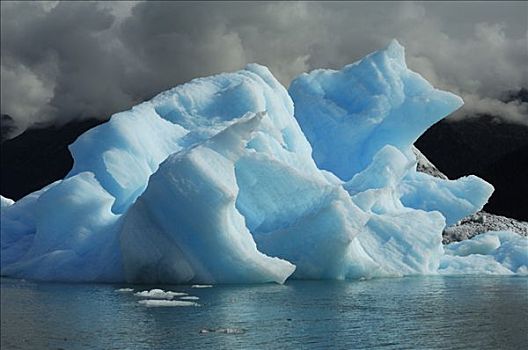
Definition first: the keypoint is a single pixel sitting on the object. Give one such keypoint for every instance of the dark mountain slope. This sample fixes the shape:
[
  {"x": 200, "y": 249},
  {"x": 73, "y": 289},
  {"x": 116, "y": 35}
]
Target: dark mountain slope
[
  {"x": 38, "y": 157},
  {"x": 495, "y": 151}
]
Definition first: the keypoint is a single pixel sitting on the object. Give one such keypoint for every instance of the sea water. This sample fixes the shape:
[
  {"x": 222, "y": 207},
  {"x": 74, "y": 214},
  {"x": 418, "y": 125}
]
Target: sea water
[{"x": 395, "y": 313}]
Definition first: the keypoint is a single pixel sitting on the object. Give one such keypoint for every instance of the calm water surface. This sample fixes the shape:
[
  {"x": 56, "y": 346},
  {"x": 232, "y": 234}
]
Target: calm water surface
[{"x": 403, "y": 313}]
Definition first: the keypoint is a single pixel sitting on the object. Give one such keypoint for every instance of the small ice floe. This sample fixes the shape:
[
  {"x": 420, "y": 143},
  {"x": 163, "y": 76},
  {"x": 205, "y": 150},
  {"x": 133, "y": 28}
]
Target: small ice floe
[
  {"x": 161, "y": 303},
  {"x": 159, "y": 294},
  {"x": 189, "y": 297},
  {"x": 201, "y": 286},
  {"x": 124, "y": 290},
  {"x": 223, "y": 330}
]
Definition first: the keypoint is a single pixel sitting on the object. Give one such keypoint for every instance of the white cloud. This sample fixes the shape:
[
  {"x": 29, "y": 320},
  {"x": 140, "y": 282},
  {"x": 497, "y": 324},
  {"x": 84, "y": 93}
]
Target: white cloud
[{"x": 24, "y": 94}]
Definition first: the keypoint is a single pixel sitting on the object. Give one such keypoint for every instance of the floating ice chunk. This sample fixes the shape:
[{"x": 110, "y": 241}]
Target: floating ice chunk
[
  {"x": 223, "y": 330},
  {"x": 472, "y": 265},
  {"x": 483, "y": 244},
  {"x": 124, "y": 290},
  {"x": 495, "y": 252},
  {"x": 159, "y": 294},
  {"x": 201, "y": 286},
  {"x": 189, "y": 297},
  {"x": 162, "y": 303}
]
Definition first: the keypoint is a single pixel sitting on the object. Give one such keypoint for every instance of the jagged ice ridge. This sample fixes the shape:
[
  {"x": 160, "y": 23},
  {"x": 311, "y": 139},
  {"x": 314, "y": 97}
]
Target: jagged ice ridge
[{"x": 234, "y": 179}]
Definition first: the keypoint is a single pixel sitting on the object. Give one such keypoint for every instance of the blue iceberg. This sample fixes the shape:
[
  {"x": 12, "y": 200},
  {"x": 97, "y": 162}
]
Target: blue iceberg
[{"x": 234, "y": 179}]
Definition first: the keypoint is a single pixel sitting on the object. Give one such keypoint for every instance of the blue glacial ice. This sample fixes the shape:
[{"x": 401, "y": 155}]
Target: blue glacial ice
[
  {"x": 222, "y": 180},
  {"x": 494, "y": 252}
]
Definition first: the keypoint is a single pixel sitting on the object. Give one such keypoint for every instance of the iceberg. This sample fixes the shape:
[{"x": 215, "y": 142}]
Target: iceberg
[{"x": 234, "y": 179}]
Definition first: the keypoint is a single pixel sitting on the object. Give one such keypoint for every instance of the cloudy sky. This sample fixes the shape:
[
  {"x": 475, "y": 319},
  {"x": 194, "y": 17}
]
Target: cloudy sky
[{"x": 69, "y": 60}]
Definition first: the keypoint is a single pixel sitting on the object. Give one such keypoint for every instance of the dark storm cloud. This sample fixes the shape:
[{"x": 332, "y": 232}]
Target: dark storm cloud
[
  {"x": 86, "y": 59},
  {"x": 64, "y": 57}
]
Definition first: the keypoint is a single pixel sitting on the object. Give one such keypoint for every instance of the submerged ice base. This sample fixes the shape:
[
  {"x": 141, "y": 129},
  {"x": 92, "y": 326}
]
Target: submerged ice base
[{"x": 221, "y": 180}]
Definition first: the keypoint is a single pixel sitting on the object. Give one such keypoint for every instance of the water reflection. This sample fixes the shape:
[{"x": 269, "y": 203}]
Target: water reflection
[{"x": 434, "y": 312}]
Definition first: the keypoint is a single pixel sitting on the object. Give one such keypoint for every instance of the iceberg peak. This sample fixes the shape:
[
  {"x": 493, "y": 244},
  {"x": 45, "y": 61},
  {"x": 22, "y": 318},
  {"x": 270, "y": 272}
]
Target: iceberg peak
[{"x": 396, "y": 50}]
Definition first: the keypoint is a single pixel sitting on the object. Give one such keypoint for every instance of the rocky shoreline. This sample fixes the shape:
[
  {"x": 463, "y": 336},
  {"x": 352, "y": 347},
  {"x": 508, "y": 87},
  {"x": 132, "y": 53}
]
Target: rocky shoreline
[{"x": 482, "y": 222}]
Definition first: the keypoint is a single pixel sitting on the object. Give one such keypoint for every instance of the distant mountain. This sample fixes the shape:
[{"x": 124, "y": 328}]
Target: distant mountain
[{"x": 37, "y": 157}]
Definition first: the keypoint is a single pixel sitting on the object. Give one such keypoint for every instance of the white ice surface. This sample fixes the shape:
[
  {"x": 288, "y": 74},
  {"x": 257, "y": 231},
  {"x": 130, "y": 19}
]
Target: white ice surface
[
  {"x": 164, "y": 303},
  {"x": 233, "y": 179},
  {"x": 159, "y": 294}
]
